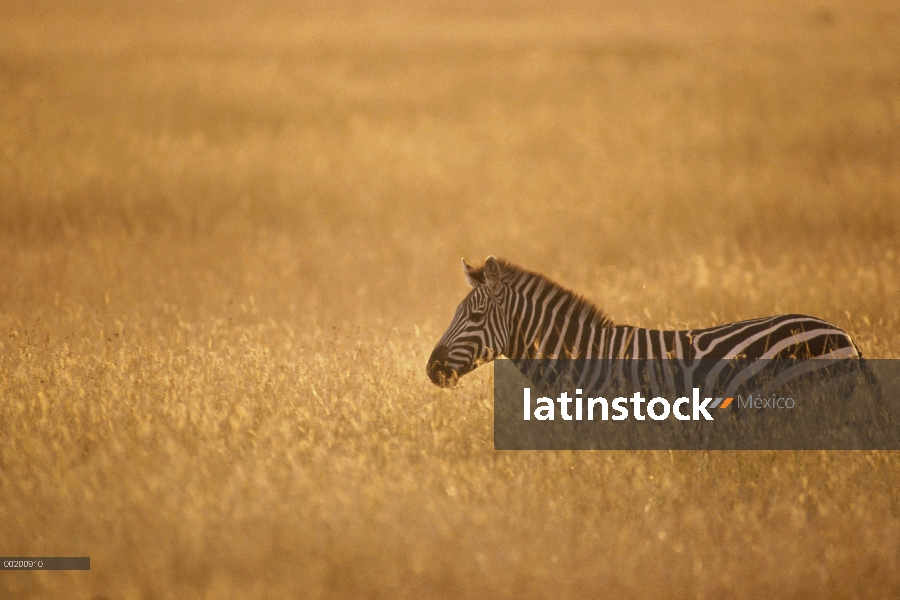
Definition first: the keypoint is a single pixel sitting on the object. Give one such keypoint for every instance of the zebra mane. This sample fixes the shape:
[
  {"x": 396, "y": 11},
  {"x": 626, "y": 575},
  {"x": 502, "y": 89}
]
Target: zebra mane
[{"x": 516, "y": 277}]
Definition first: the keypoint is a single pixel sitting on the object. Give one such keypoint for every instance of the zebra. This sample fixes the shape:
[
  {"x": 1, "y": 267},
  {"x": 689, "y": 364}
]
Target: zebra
[{"x": 522, "y": 315}]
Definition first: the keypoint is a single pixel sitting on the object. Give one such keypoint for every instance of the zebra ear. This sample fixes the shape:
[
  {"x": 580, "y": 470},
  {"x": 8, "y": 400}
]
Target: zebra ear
[
  {"x": 473, "y": 277},
  {"x": 492, "y": 273}
]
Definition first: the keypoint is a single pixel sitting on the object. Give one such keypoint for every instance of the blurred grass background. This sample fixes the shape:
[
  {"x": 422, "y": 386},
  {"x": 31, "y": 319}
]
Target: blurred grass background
[{"x": 230, "y": 236}]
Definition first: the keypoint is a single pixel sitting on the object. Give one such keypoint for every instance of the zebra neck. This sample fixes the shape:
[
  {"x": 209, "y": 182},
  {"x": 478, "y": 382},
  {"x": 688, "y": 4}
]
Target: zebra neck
[{"x": 552, "y": 322}]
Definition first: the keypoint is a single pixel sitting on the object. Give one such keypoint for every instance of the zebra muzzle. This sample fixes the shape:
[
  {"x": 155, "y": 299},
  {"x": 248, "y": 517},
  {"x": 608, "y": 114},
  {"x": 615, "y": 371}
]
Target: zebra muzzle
[{"x": 438, "y": 371}]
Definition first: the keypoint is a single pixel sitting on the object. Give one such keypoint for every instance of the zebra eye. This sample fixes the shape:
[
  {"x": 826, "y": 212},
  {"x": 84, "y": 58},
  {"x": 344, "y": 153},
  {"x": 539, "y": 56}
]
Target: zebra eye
[{"x": 476, "y": 315}]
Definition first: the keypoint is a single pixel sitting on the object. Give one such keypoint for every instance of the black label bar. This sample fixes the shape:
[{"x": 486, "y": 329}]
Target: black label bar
[{"x": 45, "y": 563}]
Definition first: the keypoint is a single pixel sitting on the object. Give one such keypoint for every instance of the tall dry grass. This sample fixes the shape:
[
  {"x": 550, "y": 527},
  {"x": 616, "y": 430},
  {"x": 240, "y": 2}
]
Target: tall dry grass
[{"x": 229, "y": 237}]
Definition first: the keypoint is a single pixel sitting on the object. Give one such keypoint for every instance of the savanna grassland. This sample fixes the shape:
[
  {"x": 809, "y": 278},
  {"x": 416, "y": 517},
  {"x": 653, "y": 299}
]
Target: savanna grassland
[{"x": 230, "y": 237}]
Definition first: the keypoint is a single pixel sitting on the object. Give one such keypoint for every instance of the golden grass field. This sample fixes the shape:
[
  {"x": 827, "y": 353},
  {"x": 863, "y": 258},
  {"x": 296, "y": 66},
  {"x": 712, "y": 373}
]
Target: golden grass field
[{"x": 230, "y": 237}]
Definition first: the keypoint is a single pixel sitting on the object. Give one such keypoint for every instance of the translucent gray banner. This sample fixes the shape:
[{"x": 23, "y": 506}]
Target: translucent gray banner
[{"x": 662, "y": 404}]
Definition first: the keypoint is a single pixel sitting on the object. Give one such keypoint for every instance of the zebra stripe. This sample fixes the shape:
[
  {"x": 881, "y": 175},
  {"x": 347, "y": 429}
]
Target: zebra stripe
[{"x": 522, "y": 315}]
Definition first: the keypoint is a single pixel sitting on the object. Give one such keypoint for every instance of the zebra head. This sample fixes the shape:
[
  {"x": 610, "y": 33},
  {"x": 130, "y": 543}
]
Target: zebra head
[{"x": 479, "y": 330}]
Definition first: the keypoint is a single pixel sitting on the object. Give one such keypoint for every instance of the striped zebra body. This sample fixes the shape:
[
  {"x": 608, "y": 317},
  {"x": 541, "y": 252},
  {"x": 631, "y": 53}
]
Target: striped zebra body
[
  {"x": 524, "y": 316},
  {"x": 674, "y": 362},
  {"x": 781, "y": 336}
]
